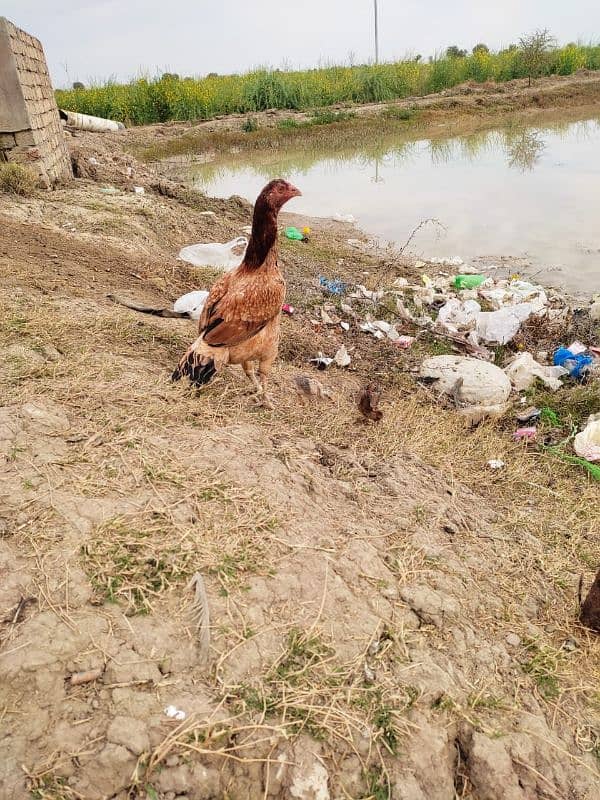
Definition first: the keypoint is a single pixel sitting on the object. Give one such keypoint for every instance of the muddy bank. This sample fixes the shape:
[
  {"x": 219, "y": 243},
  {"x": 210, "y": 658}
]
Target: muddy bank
[
  {"x": 464, "y": 108},
  {"x": 380, "y": 601}
]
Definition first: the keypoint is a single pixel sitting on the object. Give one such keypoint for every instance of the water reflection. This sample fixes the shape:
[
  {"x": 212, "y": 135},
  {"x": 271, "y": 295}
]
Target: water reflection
[
  {"x": 527, "y": 192},
  {"x": 525, "y": 149},
  {"x": 522, "y": 147}
]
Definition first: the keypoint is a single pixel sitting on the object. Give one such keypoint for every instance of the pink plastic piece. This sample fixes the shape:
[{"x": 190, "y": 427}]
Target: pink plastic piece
[{"x": 527, "y": 434}]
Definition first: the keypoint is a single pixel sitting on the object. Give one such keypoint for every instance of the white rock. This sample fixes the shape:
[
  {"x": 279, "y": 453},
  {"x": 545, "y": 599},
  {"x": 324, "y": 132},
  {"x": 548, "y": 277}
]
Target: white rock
[{"x": 479, "y": 389}]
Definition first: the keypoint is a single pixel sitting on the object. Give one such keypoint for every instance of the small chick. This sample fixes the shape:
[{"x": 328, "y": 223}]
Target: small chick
[
  {"x": 368, "y": 402},
  {"x": 309, "y": 387}
]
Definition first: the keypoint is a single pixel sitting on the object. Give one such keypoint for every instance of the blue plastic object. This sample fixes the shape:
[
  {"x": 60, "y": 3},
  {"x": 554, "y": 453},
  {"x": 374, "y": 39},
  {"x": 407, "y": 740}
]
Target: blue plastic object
[
  {"x": 333, "y": 286},
  {"x": 575, "y": 363}
]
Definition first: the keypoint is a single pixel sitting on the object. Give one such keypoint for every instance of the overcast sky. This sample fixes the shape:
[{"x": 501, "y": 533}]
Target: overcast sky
[{"x": 97, "y": 39}]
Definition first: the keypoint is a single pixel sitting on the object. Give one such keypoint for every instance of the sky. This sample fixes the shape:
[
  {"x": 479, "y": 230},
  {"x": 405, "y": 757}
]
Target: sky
[{"x": 88, "y": 40}]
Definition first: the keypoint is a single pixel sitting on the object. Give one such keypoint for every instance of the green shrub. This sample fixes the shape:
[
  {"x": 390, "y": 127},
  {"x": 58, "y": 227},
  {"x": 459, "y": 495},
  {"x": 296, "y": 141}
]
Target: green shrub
[{"x": 250, "y": 125}]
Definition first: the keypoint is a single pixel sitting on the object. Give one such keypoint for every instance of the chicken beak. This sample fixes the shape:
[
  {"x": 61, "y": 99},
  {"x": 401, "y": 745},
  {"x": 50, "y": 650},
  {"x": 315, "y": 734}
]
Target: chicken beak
[{"x": 294, "y": 192}]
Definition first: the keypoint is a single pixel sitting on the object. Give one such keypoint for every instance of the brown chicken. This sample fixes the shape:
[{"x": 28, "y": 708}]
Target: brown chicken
[{"x": 240, "y": 320}]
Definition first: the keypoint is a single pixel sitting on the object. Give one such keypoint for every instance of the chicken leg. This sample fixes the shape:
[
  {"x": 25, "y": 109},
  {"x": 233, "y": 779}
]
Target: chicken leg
[
  {"x": 264, "y": 368},
  {"x": 248, "y": 368}
]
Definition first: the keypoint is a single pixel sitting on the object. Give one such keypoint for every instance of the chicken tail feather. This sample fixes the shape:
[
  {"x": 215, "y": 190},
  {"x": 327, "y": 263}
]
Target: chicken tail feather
[
  {"x": 199, "y": 370},
  {"x": 203, "y": 373}
]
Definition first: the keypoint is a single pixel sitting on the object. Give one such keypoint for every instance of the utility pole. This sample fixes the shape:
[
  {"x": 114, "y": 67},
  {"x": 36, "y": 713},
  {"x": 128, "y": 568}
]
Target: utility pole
[{"x": 376, "y": 33}]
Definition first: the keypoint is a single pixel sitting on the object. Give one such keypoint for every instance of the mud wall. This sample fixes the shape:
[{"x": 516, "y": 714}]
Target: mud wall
[{"x": 30, "y": 127}]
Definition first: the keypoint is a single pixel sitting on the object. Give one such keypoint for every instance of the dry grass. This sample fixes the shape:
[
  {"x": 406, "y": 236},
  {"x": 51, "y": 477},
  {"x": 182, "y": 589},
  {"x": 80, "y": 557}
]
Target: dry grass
[
  {"x": 306, "y": 690},
  {"x": 17, "y": 179},
  {"x": 136, "y": 559}
]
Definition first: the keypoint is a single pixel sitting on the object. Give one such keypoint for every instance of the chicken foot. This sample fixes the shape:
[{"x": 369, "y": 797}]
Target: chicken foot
[{"x": 260, "y": 395}]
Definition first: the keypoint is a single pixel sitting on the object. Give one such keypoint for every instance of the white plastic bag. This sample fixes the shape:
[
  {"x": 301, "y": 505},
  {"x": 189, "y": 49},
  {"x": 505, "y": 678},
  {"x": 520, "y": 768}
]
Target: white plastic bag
[
  {"x": 509, "y": 293},
  {"x": 191, "y": 303},
  {"x": 350, "y": 218},
  {"x": 523, "y": 371},
  {"x": 499, "y": 327},
  {"x": 455, "y": 316},
  {"x": 214, "y": 254},
  {"x": 587, "y": 441}
]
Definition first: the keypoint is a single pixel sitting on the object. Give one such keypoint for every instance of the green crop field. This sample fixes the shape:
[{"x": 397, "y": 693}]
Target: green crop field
[{"x": 170, "y": 97}]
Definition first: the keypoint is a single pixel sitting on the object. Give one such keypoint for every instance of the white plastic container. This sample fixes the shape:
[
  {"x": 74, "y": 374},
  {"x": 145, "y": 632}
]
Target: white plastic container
[{"x": 191, "y": 303}]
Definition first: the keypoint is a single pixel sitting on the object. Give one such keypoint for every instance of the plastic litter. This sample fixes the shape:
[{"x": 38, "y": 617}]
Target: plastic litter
[
  {"x": 468, "y": 281},
  {"x": 215, "y": 254},
  {"x": 139, "y": 190},
  {"x": 328, "y": 319},
  {"x": 499, "y": 327},
  {"x": 510, "y": 293},
  {"x": 175, "y": 713},
  {"x": 109, "y": 190},
  {"x": 86, "y": 122},
  {"x": 456, "y": 315},
  {"x": 342, "y": 358},
  {"x": 574, "y": 363},
  {"x": 380, "y": 328},
  {"x": 369, "y": 327},
  {"x": 344, "y": 218},
  {"x": 525, "y": 369},
  {"x": 191, "y": 303},
  {"x": 293, "y": 233},
  {"x": 525, "y": 434},
  {"x": 345, "y": 326},
  {"x": 455, "y": 261},
  {"x": 587, "y": 441},
  {"x": 496, "y": 463},
  {"x": 362, "y": 293},
  {"x": 577, "y": 348},
  {"x": 404, "y": 342},
  {"x": 288, "y": 309},
  {"x": 333, "y": 286},
  {"x": 528, "y": 415},
  {"x": 321, "y": 362}
]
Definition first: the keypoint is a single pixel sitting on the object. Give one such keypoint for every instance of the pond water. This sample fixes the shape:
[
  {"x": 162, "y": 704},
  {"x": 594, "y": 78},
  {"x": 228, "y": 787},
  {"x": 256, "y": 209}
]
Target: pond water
[{"x": 527, "y": 193}]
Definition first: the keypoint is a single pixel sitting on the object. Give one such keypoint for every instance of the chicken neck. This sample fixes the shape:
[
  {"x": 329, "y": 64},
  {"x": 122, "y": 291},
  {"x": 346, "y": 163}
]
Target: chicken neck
[{"x": 263, "y": 238}]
